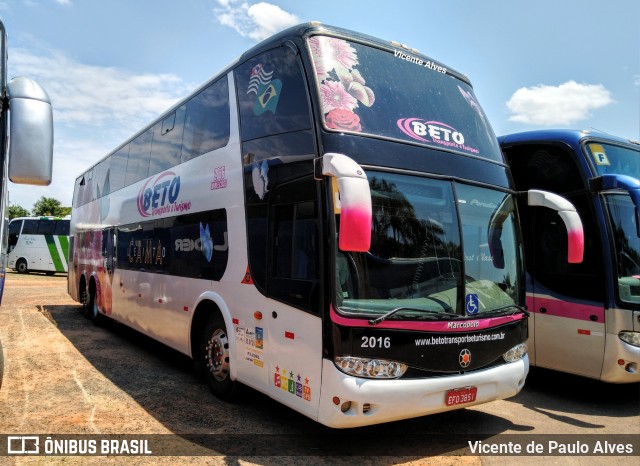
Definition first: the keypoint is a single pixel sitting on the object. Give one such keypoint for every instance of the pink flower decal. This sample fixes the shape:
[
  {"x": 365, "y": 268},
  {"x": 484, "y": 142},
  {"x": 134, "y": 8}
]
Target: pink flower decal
[
  {"x": 342, "y": 87},
  {"x": 334, "y": 95},
  {"x": 339, "y": 118}
]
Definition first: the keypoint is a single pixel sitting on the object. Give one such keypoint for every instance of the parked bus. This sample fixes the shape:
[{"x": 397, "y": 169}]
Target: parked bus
[
  {"x": 39, "y": 244},
  {"x": 26, "y": 120},
  {"x": 585, "y": 317},
  {"x": 330, "y": 221}
]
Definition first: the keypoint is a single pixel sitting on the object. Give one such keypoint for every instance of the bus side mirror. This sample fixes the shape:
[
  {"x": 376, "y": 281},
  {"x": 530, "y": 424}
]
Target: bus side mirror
[
  {"x": 570, "y": 217},
  {"x": 354, "y": 203},
  {"x": 31, "y": 132},
  {"x": 627, "y": 183}
]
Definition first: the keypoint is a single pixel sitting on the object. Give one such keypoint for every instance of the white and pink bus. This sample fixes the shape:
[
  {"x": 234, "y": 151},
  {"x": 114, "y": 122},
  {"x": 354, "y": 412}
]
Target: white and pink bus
[{"x": 330, "y": 221}]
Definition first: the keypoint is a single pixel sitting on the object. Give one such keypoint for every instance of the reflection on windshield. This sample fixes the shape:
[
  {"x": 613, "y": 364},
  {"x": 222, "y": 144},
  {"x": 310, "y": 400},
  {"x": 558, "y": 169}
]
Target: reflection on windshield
[
  {"x": 616, "y": 160},
  {"x": 416, "y": 260},
  {"x": 627, "y": 245}
]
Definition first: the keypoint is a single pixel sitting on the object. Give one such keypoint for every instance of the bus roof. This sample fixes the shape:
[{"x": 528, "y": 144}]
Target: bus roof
[{"x": 570, "y": 136}]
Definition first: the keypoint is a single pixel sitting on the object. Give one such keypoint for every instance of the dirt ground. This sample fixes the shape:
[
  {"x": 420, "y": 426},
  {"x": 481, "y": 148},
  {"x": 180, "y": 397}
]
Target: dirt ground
[{"x": 64, "y": 375}]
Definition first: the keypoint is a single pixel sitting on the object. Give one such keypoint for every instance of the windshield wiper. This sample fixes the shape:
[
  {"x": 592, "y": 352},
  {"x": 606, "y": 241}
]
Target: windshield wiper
[
  {"x": 384, "y": 317},
  {"x": 500, "y": 310}
]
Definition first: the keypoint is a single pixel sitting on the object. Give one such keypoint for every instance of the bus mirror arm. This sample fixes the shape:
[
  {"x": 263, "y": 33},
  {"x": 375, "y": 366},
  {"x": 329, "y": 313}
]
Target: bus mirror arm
[
  {"x": 624, "y": 182},
  {"x": 353, "y": 201},
  {"x": 570, "y": 217}
]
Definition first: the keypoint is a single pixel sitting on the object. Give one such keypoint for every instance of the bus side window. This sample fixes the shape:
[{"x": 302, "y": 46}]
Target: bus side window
[
  {"x": 207, "y": 121},
  {"x": 272, "y": 95},
  {"x": 167, "y": 141},
  {"x": 46, "y": 227},
  {"x": 62, "y": 228},
  {"x": 139, "y": 156},
  {"x": 30, "y": 227}
]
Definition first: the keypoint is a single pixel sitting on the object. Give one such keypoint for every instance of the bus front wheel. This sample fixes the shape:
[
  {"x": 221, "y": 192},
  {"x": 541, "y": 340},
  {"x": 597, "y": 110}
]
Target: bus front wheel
[
  {"x": 21, "y": 266},
  {"x": 215, "y": 352}
]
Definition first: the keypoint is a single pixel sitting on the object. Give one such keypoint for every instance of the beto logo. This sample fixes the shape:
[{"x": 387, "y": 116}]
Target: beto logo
[
  {"x": 159, "y": 194},
  {"x": 439, "y": 132}
]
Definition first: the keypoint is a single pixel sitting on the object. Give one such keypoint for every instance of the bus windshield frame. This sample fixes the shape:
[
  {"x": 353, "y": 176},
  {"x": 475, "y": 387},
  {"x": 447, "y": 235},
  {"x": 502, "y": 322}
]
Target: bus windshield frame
[{"x": 392, "y": 94}]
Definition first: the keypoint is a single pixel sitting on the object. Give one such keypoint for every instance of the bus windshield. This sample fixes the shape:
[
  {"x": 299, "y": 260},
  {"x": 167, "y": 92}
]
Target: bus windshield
[
  {"x": 613, "y": 159},
  {"x": 622, "y": 214},
  {"x": 394, "y": 94},
  {"x": 430, "y": 252}
]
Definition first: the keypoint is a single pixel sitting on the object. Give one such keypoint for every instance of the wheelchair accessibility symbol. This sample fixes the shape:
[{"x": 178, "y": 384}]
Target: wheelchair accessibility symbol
[{"x": 472, "y": 304}]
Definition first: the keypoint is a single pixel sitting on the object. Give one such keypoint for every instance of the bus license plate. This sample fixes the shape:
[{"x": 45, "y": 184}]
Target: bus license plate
[{"x": 459, "y": 396}]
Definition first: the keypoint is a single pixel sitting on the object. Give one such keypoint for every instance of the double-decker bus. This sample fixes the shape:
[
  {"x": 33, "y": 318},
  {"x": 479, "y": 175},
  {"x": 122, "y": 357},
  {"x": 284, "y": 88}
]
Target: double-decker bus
[
  {"x": 585, "y": 318},
  {"x": 39, "y": 244},
  {"x": 26, "y": 144},
  {"x": 330, "y": 221}
]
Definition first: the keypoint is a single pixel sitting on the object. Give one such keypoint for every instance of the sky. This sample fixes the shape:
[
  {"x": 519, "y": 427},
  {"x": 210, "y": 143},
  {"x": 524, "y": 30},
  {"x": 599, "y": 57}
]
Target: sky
[{"x": 111, "y": 66}]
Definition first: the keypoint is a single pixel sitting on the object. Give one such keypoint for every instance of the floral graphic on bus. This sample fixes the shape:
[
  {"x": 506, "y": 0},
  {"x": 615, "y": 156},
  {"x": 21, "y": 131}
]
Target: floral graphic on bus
[
  {"x": 342, "y": 87},
  {"x": 267, "y": 90}
]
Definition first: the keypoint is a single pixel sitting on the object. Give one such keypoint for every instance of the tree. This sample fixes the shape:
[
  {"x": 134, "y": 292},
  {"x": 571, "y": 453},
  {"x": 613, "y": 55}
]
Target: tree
[
  {"x": 16, "y": 211},
  {"x": 47, "y": 206}
]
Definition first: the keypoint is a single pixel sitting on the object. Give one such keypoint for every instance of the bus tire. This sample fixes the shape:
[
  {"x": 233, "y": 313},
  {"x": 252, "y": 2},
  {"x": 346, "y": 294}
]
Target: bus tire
[
  {"x": 84, "y": 299},
  {"x": 216, "y": 358},
  {"x": 21, "y": 266},
  {"x": 93, "y": 311}
]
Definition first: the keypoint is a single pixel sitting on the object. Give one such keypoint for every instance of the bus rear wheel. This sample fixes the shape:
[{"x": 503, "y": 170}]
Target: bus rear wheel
[
  {"x": 21, "y": 266},
  {"x": 216, "y": 359}
]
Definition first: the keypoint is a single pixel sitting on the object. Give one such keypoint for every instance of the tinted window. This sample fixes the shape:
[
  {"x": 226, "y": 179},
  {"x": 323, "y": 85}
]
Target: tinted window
[
  {"x": 272, "y": 94},
  {"x": 101, "y": 179},
  {"x": 62, "y": 228},
  {"x": 139, "y": 155},
  {"x": 30, "y": 227},
  {"x": 167, "y": 142},
  {"x": 118, "y": 168},
  {"x": 46, "y": 227},
  {"x": 206, "y": 125},
  {"x": 544, "y": 167}
]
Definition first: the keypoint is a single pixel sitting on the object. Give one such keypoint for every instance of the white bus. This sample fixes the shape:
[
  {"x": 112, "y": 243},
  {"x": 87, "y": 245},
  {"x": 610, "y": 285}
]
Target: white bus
[
  {"x": 330, "y": 221},
  {"x": 26, "y": 120},
  {"x": 39, "y": 244}
]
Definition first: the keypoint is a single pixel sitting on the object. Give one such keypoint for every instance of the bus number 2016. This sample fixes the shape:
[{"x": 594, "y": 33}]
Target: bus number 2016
[{"x": 373, "y": 342}]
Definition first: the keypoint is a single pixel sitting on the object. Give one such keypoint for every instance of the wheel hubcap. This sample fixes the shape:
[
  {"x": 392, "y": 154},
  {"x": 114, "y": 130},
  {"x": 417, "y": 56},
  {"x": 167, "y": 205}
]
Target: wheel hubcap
[{"x": 217, "y": 355}]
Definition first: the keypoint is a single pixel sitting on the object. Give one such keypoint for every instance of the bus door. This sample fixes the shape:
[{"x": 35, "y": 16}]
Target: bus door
[
  {"x": 294, "y": 343},
  {"x": 567, "y": 331},
  {"x": 282, "y": 208}
]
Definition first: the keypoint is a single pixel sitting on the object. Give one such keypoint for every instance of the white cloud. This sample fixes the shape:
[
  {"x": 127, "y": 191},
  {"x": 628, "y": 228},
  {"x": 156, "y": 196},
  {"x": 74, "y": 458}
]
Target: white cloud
[
  {"x": 636, "y": 80},
  {"x": 94, "y": 109},
  {"x": 257, "y": 21},
  {"x": 565, "y": 104},
  {"x": 93, "y": 95}
]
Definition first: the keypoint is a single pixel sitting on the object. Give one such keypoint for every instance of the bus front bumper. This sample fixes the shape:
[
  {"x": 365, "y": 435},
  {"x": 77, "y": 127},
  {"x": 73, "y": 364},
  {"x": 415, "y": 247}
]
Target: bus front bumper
[{"x": 375, "y": 401}]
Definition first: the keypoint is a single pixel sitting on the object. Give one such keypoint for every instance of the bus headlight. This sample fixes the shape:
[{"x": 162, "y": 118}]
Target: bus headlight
[
  {"x": 633, "y": 338},
  {"x": 516, "y": 353},
  {"x": 370, "y": 368}
]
